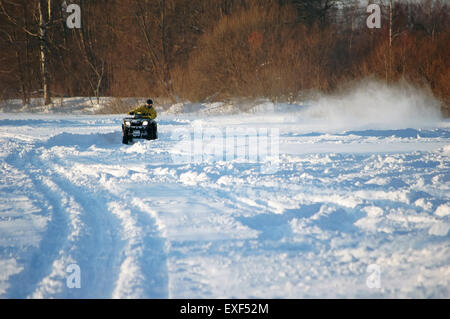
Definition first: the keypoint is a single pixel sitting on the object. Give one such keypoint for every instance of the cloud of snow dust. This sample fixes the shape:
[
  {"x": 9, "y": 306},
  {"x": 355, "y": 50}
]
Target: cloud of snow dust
[{"x": 376, "y": 104}]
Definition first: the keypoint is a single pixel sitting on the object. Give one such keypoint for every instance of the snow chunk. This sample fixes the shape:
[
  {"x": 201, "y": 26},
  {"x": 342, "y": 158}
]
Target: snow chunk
[
  {"x": 446, "y": 150},
  {"x": 139, "y": 148},
  {"x": 443, "y": 210},
  {"x": 370, "y": 222},
  {"x": 378, "y": 181},
  {"x": 373, "y": 211},
  {"x": 229, "y": 180},
  {"x": 439, "y": 229},
  {"x": 192, "y": 178},
  {"x": 422, "y": 203}
]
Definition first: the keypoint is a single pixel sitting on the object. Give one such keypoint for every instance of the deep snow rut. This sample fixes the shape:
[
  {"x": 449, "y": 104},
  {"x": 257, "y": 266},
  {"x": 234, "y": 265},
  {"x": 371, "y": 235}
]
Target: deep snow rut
[{"x": 143, "y": 270}]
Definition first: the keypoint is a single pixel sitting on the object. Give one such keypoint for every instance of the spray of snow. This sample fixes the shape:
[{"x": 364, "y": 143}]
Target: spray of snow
[{"x": 376, "y": 105}]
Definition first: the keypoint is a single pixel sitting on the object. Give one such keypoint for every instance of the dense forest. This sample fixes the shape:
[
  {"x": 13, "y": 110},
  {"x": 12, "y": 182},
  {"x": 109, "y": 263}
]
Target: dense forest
[{"x": 201, "y": 50}]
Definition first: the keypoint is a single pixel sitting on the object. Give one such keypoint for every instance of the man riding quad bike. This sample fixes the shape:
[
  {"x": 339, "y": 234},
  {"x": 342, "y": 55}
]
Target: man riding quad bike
[{"x": 142, "y": 124}]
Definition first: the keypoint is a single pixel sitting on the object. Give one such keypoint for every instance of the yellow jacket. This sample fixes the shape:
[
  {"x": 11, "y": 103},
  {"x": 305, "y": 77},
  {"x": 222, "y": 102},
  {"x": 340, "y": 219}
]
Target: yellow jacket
[{"x": 146, "y": 112}]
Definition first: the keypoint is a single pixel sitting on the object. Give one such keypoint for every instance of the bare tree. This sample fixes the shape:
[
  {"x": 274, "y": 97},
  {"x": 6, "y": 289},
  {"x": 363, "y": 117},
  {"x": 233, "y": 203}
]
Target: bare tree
[
  {"x": 91, "y": 41},
  {"x": 45, "y": 19},
  {"x": 312, "y": 11},
  {"x": 45, "y": 13},
  {"x": 158, "y": 51}
]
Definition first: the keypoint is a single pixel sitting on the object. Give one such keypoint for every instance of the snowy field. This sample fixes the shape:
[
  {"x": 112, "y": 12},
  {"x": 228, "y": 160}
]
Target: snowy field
[{"x": 346, "y": 204}]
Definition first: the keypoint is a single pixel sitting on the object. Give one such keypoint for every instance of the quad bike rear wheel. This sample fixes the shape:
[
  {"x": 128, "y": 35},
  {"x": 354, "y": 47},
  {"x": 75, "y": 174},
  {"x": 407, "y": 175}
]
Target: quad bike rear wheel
[
  {"x": 125, "y": 138},
  {"x": 152, "y": 132}
]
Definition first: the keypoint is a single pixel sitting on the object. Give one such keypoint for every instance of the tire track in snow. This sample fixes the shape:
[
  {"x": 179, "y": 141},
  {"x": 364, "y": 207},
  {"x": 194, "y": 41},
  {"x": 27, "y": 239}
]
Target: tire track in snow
[
  {"x": 75, "y": 235},
  {"x": 53, "y": 285},
  {"x": 137, "y": 265},
  {"x": 130, "y": 278},
  {"x": 143, "y": 271},
  {"x": 138, "y": 268},
  {"x": 41, "y": 259},
  {"x": 154, "y": 262},
  {"x": 45, "y": 276},
  {"x": 97, "y": 252},
  {"x": 141, "y": 268}
]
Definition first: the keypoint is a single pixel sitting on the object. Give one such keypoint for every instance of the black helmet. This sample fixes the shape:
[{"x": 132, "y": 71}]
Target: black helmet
[{"x": 150, "y": 102}]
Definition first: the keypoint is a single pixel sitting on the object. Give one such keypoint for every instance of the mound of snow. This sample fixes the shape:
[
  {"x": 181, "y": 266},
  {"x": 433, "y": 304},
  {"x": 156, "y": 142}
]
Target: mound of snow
[
  {"x": 446, "y": 150},
  {"x": 192, "y": 178},
  {"x": 439, "y": 229},
  {"x": 443, "y": 210}
]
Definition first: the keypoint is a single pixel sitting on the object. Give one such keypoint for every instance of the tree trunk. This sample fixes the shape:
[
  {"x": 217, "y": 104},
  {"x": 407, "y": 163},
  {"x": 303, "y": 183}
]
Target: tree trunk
[
  {"x": 21, "y": 78},
  {"x": 390, "y": 43},
  {"x": 167, "y": 81},
  {"x": 27, "y": 71},
  {"x": 43, "y": 48},
  {"x": 390, "y": 23}
]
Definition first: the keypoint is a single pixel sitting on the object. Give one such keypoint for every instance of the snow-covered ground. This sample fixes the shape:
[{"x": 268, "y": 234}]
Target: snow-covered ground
[{"x": 348, "y": 207}]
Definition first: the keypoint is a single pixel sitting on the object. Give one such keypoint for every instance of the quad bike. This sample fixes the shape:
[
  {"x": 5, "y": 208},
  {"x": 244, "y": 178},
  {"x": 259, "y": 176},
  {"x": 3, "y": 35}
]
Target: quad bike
[{"x": 138, "y": 126}]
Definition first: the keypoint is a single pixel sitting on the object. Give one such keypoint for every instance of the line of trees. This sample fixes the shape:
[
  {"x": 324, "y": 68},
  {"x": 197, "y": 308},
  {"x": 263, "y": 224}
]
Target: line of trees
[{"x": 216, "y": 49}]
